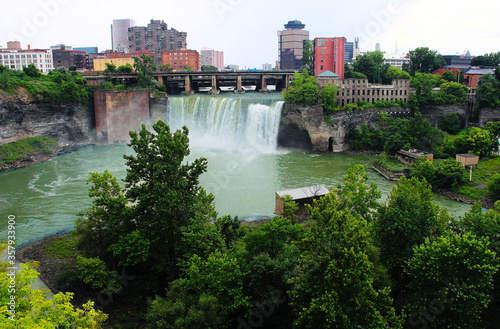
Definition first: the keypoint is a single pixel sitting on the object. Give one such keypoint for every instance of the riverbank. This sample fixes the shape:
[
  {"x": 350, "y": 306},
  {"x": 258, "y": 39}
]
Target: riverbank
[{"x": 33, "y": 159}]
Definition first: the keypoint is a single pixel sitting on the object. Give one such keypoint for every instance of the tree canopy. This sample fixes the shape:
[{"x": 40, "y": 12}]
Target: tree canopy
[{"x": 423, "y": 60}]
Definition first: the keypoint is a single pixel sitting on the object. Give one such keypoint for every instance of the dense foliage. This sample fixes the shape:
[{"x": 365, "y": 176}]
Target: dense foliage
[
  {"x": 34, "y": 310},
  {"x": 350, "y": 265},
  {"x": 423, "y": 60},
  {"x": 11, "y": 152},
  {"x": 58, "y": 86},
  {"x": 449, "y": 173},
  {"x": 303, "y": 90},
  {"x": 394, "y": 134}
]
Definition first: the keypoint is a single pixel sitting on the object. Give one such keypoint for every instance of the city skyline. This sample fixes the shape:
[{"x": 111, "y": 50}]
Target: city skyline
[{"x": 246, "y": 32}]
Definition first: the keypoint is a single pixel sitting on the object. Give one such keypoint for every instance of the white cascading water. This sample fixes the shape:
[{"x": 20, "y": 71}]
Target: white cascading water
[{"x": 227, "y": 123}]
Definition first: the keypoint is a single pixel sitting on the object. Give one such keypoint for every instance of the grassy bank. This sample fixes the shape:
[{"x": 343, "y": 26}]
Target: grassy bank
[
  {"x": 476, "y": 189},
  {"x": 12, "y": 152}
]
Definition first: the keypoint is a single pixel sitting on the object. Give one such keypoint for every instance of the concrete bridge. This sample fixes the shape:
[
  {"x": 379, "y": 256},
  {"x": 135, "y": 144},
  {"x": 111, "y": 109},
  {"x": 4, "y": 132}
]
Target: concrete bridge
[{"x": 190, "y": 82}]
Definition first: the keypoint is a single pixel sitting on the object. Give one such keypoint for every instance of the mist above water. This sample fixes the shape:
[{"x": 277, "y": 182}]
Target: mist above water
[{"x": 228, "y": 123}]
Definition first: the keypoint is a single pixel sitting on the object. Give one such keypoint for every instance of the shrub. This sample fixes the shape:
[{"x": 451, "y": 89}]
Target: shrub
[
  {"x": 68, "y": 280},
  {"x": 493, "y": 185}
]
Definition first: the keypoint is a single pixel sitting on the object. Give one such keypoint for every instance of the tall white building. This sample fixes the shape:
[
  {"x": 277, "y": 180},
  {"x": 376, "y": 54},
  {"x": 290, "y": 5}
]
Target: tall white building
[
  {"x": 208, "y": 56},
  {"x": 267, "y": 67},
  {"x": 16, "y": 58},
  {"x": 119, "y": 34},
  {"x": 396, "y": 60}
]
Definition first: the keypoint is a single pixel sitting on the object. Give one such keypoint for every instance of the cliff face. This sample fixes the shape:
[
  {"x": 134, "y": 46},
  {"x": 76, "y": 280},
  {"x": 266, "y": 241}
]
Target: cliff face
[
  {"x": 67, "y": 123},
  {"x": 305, "y": 127}
]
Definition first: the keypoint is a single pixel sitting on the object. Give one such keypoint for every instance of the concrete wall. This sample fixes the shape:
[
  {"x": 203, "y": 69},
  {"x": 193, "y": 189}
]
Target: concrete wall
[
  {"x": 117, "y": 113},
  {"x": 488, "y": 114}
]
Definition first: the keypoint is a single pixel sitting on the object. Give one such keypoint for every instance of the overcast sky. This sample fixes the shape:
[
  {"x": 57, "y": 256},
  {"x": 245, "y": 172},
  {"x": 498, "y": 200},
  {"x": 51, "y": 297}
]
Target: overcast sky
[{"x": 246, "y": 30}]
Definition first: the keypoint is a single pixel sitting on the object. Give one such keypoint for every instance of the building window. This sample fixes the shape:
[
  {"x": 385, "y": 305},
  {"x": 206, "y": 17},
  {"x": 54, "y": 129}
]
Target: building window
[
  {"x": 322, "y": 67},
  {"x": 321, "y": 42},
  {"x": 321, "y": 59},
  {"x": 321, "y": 51}
]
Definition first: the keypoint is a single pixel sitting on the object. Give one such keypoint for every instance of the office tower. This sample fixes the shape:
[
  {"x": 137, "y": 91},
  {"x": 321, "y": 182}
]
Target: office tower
[{"x": 291, "y": 45}]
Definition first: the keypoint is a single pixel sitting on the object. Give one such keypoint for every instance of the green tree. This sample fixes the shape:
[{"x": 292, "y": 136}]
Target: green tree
[
  {"x": 423, "y": 60},
  {"x": 209, "y": 68},
  {"x": 146, "y": 225},
  {"x": 407, "y": 220},
  {"x": 451, "y": 93},
  {"x": 110, "y": 68},
  {"x": 371, "y": 65},
  {"x": 32, "y": 71},
  {"x": 166, "y": 68},
  {"x": 450, "y": 279},
  {"x": 303, "y": 90},
  {"x": 308, "y": 56},
  {"x": 493, "y": 185},
  {"x": 165, "y": 194},
  {"x": 475, "y": 140},
  {"x": 449, "y": 76},
  {"x": 127, "y": 68},
  {"x": 487, "y": 92},
  {"x": 145, "y": 67},
  {"x": 210, "y": 293},
  {"x": 451, "y": 123},
  {"x": 396, "y": 73},
  {"x": 350, "y": 74},
  {"x": 333, "y": 284},
  {"x": 328, "y": 97},
  {"x": 423, "y": 84},
  {"x": 33, "y": 308}
]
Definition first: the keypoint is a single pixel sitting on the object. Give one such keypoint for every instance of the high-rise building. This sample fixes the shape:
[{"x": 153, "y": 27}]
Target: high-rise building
[
  {"x": 377, "y": 46},
  {"x": 16, "y": 58},
  {"x": 349, "y": 51},
  {"x": 267, "y": 67},
  {"x": 119, "y": 34},
  {"x": 329, "y": 55},
  {"x": 157, "y": 38},
  {"x": 356, "y": 50},
  {"x": 180, "y": 59},
  {"x": 291, "y": 45},
  {"x": 208, "y": 56}
]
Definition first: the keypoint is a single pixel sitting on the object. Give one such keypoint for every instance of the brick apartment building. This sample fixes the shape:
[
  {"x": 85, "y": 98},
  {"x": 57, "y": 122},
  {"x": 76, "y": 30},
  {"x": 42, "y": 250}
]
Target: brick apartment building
[
  {"x": 179, "y": 59},
  {"x": 329, "y": 55},
  {"x": 156, "y": 37},
  {"x": 67, "y": 58}
]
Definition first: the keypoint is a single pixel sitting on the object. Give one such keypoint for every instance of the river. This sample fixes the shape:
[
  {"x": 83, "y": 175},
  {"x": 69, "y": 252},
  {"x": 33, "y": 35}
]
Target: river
[{"x": 245, "y": 168}]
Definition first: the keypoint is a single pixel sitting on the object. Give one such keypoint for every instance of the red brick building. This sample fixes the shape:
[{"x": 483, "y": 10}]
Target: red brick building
[
  {"x": 329, "y": 56},
  {"x": 179, "y": 59}
]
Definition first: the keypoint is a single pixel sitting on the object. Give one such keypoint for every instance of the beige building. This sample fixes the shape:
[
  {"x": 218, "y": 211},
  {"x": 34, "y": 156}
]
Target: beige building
[
  {"x": 352, "y": 90},
  {"x": 291, "y": 45},
  {"x": 100, "y": 63}
]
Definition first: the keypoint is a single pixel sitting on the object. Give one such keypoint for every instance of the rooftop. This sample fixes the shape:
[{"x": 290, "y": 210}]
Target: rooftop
[
  {"x": 305, "y": 192},
  {"x": 328, "y": 74},
  {"x": 414, "y": 153}
]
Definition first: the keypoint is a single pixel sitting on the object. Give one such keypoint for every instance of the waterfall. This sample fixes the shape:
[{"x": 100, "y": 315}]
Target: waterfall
[{"x": 228, "y": 123}]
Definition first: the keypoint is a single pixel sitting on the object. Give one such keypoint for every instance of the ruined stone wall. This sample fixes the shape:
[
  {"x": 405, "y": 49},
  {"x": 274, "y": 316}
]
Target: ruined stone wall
[{"x": 117, "y": 113}]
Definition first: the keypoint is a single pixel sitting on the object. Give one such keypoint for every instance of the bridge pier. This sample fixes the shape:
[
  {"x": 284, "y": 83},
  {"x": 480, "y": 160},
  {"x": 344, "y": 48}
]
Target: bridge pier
[
  {"x": 188, "y": 85},
  {"x": 239, "y": 85},
  {"x": 262, "y": 86},
  {"x": 215, "y": 90}
]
